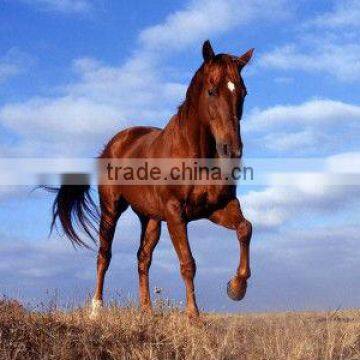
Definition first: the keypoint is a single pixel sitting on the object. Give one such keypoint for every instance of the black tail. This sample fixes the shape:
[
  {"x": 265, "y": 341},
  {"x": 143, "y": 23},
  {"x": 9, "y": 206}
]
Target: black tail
[{"x": 73, "y": 203}]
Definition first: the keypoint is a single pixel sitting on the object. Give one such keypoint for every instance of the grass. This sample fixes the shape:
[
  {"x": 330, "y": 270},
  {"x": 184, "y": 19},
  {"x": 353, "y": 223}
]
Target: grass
[{"x": 125, "y": 333}]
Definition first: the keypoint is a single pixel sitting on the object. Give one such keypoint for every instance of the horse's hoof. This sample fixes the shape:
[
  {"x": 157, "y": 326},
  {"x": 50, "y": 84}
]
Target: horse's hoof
[
  {"x": 196, "y": 320},
  {"x": 236, "y": 289},
  {"x": 147, "y": 310},
  {"x": 94, "y": 315},
  {"x": 96, "y": 307}
]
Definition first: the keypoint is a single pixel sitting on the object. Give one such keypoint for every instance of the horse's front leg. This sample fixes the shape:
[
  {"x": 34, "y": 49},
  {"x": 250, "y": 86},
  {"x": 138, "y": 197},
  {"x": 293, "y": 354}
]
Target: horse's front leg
[
  {"x": 178, "y": 233},
  {"x": 231, "y": 217}
]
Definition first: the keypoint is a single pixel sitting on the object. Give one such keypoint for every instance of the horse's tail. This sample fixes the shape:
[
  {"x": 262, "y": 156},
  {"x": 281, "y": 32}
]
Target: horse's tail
[{"x": 73, "y": 204}]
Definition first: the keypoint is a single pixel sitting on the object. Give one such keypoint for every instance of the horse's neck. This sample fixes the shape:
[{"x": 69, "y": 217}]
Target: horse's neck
[
  {"x": 188, "y": 137},
  {"x": 185, "y": 135}
]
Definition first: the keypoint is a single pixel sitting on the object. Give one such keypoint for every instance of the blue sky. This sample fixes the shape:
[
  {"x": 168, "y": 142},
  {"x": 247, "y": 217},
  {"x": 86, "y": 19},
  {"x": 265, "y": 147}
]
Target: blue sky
[{"x": 73, "y": 73}]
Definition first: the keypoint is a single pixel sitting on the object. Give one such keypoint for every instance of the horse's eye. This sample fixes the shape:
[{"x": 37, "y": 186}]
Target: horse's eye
[{"x": 212, "y": 92}]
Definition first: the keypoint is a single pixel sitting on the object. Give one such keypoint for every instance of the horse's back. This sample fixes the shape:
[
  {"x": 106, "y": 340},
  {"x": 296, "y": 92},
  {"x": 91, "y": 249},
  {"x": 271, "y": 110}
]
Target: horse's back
[{"x": 131, "y": 142}]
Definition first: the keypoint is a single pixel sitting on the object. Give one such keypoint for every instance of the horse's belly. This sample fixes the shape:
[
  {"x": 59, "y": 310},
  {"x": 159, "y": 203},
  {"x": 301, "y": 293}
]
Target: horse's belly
[{"x": 144, "y": 200}]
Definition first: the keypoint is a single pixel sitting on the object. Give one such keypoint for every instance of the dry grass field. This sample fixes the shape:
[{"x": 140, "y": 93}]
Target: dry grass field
[{"x": 125, "y": 333}]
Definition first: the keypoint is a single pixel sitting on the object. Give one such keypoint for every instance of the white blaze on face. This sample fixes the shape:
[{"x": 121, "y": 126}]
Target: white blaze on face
[{"x": 231, "y": 86}]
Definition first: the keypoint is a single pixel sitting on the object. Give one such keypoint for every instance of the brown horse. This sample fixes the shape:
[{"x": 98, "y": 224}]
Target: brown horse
[{"x": 207, "y": 125}]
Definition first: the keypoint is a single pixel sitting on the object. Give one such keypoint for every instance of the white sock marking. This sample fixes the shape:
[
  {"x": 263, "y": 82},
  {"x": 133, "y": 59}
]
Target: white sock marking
[{"x": 96, "y": 305}]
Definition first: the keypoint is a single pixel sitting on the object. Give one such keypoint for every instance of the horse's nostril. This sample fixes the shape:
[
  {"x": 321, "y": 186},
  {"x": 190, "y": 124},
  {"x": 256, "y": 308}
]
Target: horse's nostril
[
  {"x": 225, "y": 149},
  {"x": 239, "y": 152}
]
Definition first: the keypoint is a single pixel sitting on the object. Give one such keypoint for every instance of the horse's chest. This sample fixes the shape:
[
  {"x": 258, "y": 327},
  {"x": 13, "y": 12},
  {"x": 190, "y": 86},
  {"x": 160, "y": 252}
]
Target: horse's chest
[{"x": 206, "y": 199}]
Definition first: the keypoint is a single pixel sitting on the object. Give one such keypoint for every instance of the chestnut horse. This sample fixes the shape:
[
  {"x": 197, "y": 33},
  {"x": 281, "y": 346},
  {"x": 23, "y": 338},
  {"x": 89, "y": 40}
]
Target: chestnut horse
[{"x": 207, "y": 125}]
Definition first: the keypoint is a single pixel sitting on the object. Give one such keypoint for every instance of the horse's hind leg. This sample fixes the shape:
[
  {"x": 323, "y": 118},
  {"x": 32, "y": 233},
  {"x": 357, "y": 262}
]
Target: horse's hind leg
[
  {"x": 150, "y": 234},
  {"x": 110, "y": 213}
]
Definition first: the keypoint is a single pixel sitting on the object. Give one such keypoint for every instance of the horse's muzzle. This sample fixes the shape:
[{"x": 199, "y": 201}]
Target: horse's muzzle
[{"x": 225, "y": 150}]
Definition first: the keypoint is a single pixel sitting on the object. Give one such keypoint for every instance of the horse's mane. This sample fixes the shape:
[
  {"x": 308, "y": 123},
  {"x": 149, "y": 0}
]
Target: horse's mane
[{"x": 187, "y": 108}]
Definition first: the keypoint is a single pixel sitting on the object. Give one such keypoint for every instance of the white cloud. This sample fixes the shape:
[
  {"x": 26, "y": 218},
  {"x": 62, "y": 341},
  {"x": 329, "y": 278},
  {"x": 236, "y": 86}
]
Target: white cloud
[
  {"x": 204, "y": 18},
  {"x": 327, "y": 43},
  {"x": 345, "y": 13},
  {"x": 46, "y": 117},
  {"x": 274, "y": 206},
  {"x": 345, "y": 163},
  {"x": 137, "y": 87},
  {"x": 319, "y": 124},
  {"x": 339, "y": 60},
  {"x": 66, "y": 125},
  {"x": 314, "y": 112},
  {"x": 277, "y": 205},
  {"x": 285, "y": 141},
  {"x": 105, "y": 99},
  {"x": 12, "y": 63},
  {"x": 64, "y": 6}
]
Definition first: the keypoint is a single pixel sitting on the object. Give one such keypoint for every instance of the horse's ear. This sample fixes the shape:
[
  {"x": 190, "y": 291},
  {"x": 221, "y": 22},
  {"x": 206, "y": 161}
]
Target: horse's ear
[
  {"x": 245, "y": 58},
  {"x": 207, "y": 51}
]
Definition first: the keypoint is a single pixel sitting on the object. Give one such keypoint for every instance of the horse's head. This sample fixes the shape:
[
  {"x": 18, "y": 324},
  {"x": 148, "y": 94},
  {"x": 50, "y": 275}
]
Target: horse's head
[{"x": 221, "y": 97}]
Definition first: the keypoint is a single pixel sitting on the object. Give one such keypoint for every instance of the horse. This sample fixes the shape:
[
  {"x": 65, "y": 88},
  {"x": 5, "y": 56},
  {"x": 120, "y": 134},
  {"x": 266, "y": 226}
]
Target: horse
[{"x": 206, "y": 125}]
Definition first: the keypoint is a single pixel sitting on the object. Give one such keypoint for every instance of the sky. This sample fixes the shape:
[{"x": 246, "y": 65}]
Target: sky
[{"x": 75, "y": 72}]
